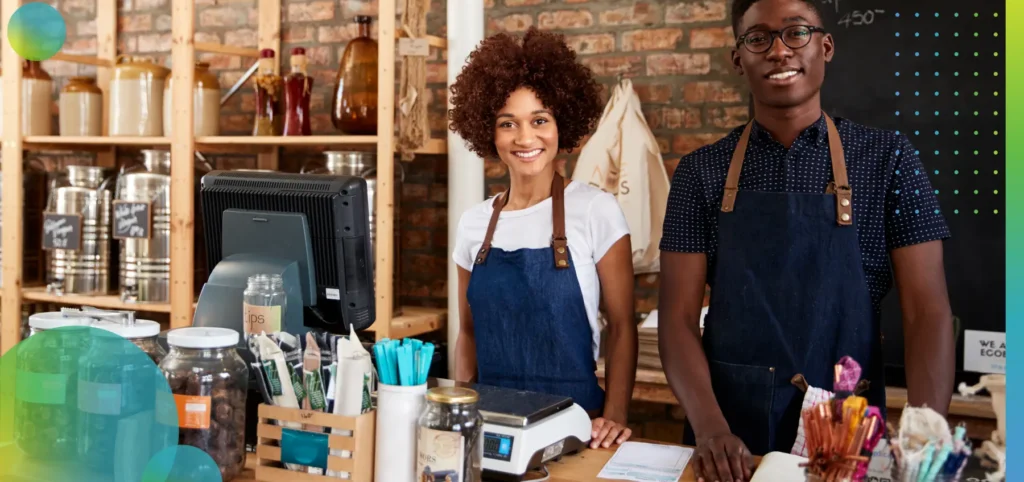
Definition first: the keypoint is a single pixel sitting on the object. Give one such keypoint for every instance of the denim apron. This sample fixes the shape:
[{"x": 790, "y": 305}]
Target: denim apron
[
  {"x": 531, "y": 326},
  {"x": 788, "y": 296}
]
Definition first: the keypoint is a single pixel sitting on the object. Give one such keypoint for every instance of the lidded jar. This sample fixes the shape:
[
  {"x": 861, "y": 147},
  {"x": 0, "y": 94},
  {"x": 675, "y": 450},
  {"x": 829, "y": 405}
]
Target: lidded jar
[
  {"x": 205, "y": 102},
  {"x": 137, "y": 98},
  {"x": 81, "y": 108},
  {"x": 354, "y": 104},
  {"x": 450, "y": 434},
  {"x": 209, "y": 382}
]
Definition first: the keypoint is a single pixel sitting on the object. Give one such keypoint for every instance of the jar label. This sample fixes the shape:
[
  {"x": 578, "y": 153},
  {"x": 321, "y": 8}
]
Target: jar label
[
  {"x": 193, "y": 411},
  {"x": 440, "y": 455},
  {"x": 259, "y": 319},
  {"x": 42, "y": 388},
  {"x": 99, "y": 398}
]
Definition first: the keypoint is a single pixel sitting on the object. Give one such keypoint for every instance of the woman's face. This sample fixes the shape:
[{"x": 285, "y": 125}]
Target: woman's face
[{"x": 525, "y": 134}]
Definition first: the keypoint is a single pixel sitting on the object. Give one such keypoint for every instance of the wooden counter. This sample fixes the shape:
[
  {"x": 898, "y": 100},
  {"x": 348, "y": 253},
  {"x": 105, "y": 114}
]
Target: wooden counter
[{"x": 582, "y": 467}]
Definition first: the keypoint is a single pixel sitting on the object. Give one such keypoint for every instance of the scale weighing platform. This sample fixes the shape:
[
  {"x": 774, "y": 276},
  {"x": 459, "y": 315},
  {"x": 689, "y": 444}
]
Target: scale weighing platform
[{"x": 523, "y": 430}]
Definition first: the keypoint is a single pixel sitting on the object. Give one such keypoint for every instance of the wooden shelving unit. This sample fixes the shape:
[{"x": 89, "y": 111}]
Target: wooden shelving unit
[{"x": 183, "y": 146}]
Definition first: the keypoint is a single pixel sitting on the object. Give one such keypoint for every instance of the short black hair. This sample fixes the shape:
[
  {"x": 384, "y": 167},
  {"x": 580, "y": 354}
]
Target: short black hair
[{"x": 740, "y": 7}]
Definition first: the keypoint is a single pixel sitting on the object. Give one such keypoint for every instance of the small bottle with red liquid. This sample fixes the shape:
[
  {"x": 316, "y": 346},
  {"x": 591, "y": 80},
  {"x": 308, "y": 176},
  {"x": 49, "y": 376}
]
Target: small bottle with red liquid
[
  {"x": 268, "y": 97},
  {"x": 298, "y": 86}
]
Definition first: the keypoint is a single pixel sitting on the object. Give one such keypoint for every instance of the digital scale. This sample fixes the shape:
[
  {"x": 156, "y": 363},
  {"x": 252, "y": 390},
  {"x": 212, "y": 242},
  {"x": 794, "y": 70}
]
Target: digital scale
[{"x": 523, "y": 430}]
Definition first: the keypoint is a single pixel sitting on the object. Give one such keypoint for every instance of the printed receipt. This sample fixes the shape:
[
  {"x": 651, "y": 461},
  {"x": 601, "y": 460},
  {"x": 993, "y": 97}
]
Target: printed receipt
[{"x": 644, "y": 462}]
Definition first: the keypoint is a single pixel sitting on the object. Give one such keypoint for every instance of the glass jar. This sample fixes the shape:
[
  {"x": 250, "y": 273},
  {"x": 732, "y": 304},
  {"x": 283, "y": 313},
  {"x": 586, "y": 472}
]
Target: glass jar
[
  {"x": 46, "y": 388},
  {"x": 449, "y": 436},
  {"x": 354, "y": 104},
  {"x": 209, "y": 382},
  {"x": 268, "y": 84},
  {"x": 117, "y": 389},
  {"x": 81, "y": 108},
  {"x": 298, "y": 86},
  {"x": 263, "y": 304}
]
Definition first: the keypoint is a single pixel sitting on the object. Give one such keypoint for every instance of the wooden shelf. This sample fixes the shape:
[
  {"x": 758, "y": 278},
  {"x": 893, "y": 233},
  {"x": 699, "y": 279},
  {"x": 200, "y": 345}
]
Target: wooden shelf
[
  {"x": 84, "y": 143},
  {"x": 417, "y": 320},
  {"x": 111, "y": 302},
  {"x": 264, "y": 143}
]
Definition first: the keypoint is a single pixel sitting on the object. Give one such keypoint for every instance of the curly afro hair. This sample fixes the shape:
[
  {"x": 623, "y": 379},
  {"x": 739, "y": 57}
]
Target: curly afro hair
[{"x": 542, "y": 62}]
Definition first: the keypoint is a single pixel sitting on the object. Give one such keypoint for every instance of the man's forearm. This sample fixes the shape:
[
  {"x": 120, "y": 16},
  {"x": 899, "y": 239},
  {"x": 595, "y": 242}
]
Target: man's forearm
[
  {"x": 930, "y": 358},
  {"x": 686, "y": 368},
  {"x": 620, "y": 370}
]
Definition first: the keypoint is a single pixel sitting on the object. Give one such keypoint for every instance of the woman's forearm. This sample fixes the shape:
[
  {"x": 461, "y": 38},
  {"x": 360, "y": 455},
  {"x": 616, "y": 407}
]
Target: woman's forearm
[
  {"x": 465, "y": 358},
  {"x": 620, "y": 369}
]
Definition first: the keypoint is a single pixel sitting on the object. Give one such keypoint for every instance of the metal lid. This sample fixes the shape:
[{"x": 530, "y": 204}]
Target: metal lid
[{"x": 452, "y": 395}]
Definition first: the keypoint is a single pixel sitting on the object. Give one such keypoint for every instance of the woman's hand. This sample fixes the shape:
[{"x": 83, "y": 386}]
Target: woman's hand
[{"x": 605, "y": 432}]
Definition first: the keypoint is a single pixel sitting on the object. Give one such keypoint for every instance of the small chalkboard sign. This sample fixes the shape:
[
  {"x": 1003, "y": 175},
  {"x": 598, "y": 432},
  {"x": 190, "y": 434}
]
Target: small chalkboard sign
[
  {"x": 62, "y": 231},
  {"x": 132, "y": 219}
]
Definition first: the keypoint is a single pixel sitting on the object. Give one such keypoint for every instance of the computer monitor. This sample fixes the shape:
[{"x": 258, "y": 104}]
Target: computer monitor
[{"x": 313, "y": 230}]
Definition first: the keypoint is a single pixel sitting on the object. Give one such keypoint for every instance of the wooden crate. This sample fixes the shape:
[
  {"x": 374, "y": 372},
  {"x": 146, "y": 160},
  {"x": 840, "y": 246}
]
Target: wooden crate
[{"x": 360, "y": 443}]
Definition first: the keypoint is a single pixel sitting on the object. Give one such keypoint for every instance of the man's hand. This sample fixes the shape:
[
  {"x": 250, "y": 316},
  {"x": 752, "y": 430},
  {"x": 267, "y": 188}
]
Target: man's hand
[
  {"x": 723, "y": 458},
  {"x": 605, "y": 432}
]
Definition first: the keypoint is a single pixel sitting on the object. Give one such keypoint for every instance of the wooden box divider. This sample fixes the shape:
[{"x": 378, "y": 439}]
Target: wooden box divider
[{"x": 360, "y": 443}]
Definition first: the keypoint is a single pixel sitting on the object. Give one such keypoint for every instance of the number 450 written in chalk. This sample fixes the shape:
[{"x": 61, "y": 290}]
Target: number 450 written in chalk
[{"x": 858, "y": 18}]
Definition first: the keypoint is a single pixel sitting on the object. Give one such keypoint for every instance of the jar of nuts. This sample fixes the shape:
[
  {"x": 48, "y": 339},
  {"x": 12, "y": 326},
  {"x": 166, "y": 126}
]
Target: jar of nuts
[{"x": 209, "y": 381}]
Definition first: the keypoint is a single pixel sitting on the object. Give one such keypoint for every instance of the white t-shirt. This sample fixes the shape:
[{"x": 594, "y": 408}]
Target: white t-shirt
[{"x": 593, "y": 223}]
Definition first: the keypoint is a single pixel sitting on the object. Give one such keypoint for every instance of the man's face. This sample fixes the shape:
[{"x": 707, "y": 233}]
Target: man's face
[{"x": 780, "y": 75}]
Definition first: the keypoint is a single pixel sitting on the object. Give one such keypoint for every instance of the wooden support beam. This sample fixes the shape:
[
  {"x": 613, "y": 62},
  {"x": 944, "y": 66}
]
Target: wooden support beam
[
  {"x": 13, "y": 196},
  {"x": 385, "y": 263},
  {"x": 106, "y": 49},
  {"x": 269, "y": 37},
  {"x": 216, "y": 48},
  {"x": 83, "y": 59},
  {"x": 182, "y": 163}
]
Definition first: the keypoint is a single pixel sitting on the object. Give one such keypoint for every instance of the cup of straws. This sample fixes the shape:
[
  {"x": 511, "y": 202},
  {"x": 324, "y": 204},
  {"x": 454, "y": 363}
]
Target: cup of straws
[{"x": 925, "y": 450}]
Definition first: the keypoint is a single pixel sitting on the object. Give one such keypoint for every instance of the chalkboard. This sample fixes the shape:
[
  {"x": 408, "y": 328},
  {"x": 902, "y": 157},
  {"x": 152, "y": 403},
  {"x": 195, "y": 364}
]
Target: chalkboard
[
  {"x": 62, "y": 231},
  {"x": 132, "y": 219},
  {"x": 934, "y": 70}
]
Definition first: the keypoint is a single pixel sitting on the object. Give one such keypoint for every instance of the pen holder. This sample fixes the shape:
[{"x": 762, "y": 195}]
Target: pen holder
[{"x": 398, "y": 412}]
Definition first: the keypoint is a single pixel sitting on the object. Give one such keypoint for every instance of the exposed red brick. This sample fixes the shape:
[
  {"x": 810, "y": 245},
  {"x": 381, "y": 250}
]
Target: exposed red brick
[
  {"x": 79, "y": 7},
  {"x": 220, "y": 61},
  {"x": 335, "y": 34},
  {"x": 135, "y": 23},
  {"x": 673, "y": 118},
  {"x": 728, "y": 117},
  {"x": 518, "y": 22},
  {"x": 234, "y": 124},
  {"x": 653, "y": 93},
  {"x": 600, "y": 43},
  {"x": 156, "y": 42},
  {"x": 222, "y": 17},
  {"x": 713, "y": 37},
  {"x": 565, "y": 19},
  {"x": 686, "y": 143},
  {"x": 637, "y": 14},
  {"x": 245, "y": 37},
  {"x": 439, "y": 193},
  {"x": 81, "y": 46},
  {"x": 651, "y": 39},
  {"x": 86, "y": 27},
  {"x": 414, "y": 192},
  {"x": 297, "y": 33},
  {"x": 319, "y": 55},
  {"x": 678, "y": 64},
  {"x": 710, "y": 91},
  {"x": 310, "y": 11},
  {"x": 628, "y": 65},
  {"x": 162, "y": 23},
  {"x": 697, "y": 11},
  {"x": 143, "y": 5},
  {"x": 351, "y": 8},
  {"x": 415, "y": 239},
  {"x": 437, "y": 73}
]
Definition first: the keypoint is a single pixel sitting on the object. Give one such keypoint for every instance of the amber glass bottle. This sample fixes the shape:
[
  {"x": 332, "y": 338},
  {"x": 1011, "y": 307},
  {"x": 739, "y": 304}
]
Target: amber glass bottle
[
  {"x": 354, "y": 105},
  {"x": 298, "y": 86}
]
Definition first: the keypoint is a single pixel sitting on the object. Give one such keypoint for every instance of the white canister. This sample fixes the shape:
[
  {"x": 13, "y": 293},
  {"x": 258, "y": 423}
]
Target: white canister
[
  {"x": 205, "y": 102},
  {"x": 398, "y": 412},
  {"x": 81, "y": 108},
  {"x": 36, "y": 100},
  {"x": 136, "y": 97}
]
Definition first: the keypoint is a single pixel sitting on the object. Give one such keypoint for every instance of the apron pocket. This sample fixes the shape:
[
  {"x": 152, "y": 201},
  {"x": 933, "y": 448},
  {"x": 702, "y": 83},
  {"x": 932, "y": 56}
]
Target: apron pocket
[{"x": 745, "y": 394}]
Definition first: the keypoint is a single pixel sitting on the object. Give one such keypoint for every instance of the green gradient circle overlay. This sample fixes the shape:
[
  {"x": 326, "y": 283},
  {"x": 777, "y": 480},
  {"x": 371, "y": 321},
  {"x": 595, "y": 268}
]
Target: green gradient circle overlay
[
  {"x": 36, "y": 31},
  {"x": 75, "y": 400}
]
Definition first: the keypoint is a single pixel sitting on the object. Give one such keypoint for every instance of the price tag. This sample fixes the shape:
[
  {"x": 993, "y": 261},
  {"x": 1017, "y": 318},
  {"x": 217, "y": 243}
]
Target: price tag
[
  {"x": 132, "y": 219},
  {"x": 413, "y": 47},
  {"x": 62, "y": 231}
]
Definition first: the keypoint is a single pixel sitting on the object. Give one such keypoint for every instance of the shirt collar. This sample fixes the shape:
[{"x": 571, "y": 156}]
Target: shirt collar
[{"x": 816, "y": 132}]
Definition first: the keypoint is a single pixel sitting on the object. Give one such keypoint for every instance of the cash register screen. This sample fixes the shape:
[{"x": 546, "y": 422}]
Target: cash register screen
[{"x": 498, "y": 446}]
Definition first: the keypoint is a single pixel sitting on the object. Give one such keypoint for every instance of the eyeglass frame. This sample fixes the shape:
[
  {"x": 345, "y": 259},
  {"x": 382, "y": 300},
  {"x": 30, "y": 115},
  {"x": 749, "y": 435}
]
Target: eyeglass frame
[{"x": 778, "y": 33}]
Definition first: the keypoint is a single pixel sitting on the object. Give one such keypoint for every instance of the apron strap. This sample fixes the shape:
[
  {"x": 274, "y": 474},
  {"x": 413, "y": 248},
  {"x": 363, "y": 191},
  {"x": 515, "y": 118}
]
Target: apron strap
[
  {"x": 558, "y": 240},
  {"x": 841, "y": 185}
]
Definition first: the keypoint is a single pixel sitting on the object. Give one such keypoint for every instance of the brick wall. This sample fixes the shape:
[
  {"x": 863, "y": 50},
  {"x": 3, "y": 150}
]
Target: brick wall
[{"x": 323, "y": 27}]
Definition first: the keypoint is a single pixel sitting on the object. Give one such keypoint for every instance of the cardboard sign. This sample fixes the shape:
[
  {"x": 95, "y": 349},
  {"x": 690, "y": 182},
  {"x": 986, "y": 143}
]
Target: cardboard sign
[
  {"x": 62, "y": 231},
  {"x": 984, "y": 351},
  {"x": 413, "y": 47},
  {"x": 132, "y": 219}
]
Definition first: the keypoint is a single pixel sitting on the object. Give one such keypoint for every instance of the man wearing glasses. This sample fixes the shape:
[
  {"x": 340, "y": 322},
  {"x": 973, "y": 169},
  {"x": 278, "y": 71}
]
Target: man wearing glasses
[{"x": 794, "y": 220}]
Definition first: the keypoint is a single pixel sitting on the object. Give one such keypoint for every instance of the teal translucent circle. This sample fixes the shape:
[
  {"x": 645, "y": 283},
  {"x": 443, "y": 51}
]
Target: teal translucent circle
[
  {"x": 36, "y": 31},
  {"x": 87, "y": 405},
  {"x": 182, "y": 463}
]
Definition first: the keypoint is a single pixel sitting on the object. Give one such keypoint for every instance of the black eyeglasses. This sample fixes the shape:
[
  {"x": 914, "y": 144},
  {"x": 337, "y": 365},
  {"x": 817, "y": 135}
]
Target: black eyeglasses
[{"x": 794, "y": 37}]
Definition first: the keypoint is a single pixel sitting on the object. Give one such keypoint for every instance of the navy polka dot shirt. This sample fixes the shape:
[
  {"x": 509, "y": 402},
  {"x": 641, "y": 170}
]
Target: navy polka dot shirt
[{"x": 894, "y": 204}]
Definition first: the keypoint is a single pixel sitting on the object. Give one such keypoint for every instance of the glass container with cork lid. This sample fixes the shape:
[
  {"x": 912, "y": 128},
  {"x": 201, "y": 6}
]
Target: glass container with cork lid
[
  {"x": 450, "y": 435},
  {"x": 269, "y": 121}
]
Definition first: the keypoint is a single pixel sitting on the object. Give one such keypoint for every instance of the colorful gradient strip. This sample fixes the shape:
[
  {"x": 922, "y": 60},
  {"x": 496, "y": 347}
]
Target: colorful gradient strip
[{"x": 1014, "y": 238}]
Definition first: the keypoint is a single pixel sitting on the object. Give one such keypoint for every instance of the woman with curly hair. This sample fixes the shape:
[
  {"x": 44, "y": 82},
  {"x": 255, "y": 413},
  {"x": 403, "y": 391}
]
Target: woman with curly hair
[{"x": 537, "y": 260}]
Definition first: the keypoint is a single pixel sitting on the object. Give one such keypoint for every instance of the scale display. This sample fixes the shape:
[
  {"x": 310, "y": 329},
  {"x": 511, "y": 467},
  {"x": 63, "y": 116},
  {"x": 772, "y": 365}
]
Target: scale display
[{"x": 498, "y": 446}]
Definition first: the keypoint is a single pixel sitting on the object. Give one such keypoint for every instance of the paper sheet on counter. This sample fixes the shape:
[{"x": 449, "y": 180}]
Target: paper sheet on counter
[{"x": 644, "y": 462}]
